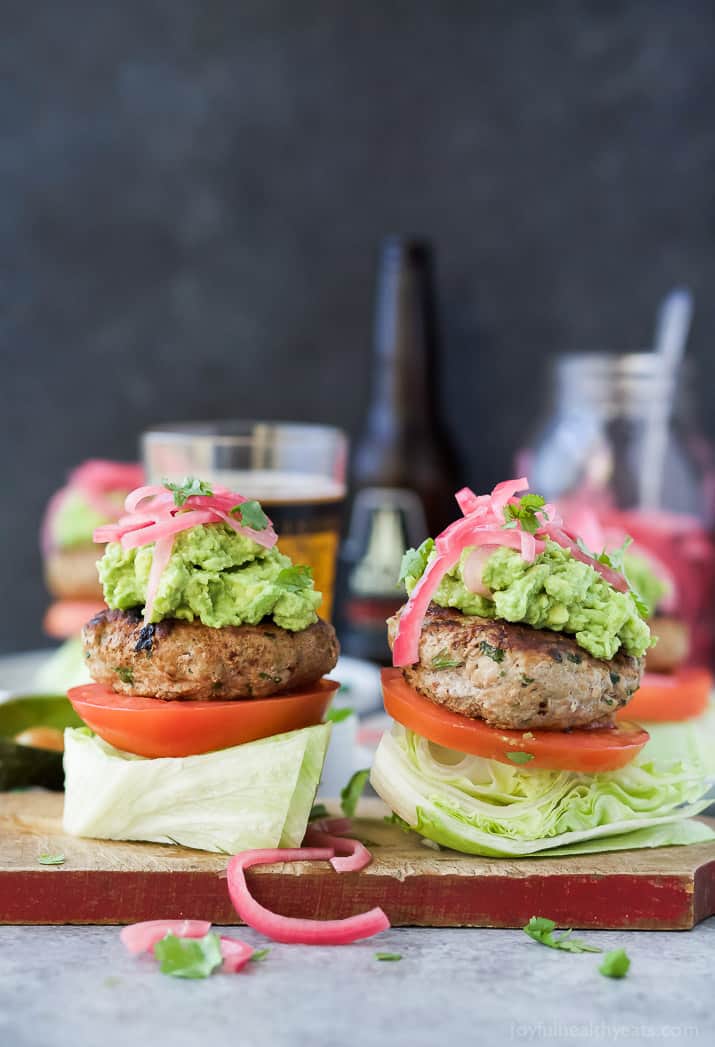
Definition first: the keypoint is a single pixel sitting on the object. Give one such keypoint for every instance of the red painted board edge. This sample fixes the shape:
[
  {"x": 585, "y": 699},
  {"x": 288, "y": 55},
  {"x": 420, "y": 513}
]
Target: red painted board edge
[{"x": 625, "y": 901}]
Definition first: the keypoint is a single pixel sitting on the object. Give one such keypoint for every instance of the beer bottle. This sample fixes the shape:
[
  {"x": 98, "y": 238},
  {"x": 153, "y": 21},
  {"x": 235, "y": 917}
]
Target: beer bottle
[{"x": 403, "y": 472}]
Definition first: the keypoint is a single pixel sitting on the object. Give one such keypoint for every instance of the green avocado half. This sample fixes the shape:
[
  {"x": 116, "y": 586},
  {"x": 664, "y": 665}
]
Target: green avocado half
[{"x": 22, "y": 766}]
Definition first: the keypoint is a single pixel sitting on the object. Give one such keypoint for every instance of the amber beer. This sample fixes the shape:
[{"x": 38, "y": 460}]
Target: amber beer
[
  {"x": 296, "y": 472},
  {"x": 403, "y": 471},
  {"x": 308, "y": 524}
]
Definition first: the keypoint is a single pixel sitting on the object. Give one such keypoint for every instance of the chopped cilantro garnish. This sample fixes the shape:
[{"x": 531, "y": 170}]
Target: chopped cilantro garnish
[
  {"x": 394, "y": 819},
  {"x": 125, "y": 674},
  {"x": 295, "y": 579},
  {"x": 338, "y": 715},
  {"x": 251, "y": 515},
  {"x": 525, "y": 513},
  {"x": 258, "y": 954},
  {"x": 51, "y": 859},
  {"x": 388, "y": 957},
  {"x": 615, "y": 964},
  {"x": 188, "y": 487},
  {"x": 542, "y": 930},
  {"x": 495, "y": 653},
  {"x": 352, "y": 792},
  {"x": 414, "y": 561},
  {"x": 520, "y": 757},
  {"x": 188, "y": 957},
  {"x": 641, "y": 606},
  {"x": 526, "y": 680},
  {"x": 615, "y": 678},
  {"x": 442, "y": 660}
]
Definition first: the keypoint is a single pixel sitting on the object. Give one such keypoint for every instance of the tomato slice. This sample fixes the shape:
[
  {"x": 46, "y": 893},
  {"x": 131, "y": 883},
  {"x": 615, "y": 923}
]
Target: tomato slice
[
  {"x": 65, "y": 618},
  {"x": 152, "y": 727},
  {"x": 598, "y": 749},
  {"x": 670, "y": 698}
]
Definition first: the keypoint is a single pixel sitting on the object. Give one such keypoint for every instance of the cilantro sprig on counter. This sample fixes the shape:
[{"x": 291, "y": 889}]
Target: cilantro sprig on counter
[
  {"x": 186, "y": 488},
  {"x": 541, "y": 929},
  {"x": 250, "y": 514},
  {"x": 188, "y": 957},
  {"x": 524, "y": 512}
]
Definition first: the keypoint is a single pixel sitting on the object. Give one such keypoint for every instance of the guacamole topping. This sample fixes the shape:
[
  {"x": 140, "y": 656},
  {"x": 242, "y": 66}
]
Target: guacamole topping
[
  {"x": 214, "y": 575},
  {"x": 75, "y": 520},
  {"x": 555, "y": 591}
]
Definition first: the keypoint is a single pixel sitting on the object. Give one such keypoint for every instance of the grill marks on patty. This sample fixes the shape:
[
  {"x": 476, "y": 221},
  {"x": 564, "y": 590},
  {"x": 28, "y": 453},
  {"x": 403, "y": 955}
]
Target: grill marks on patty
[
  {"x": 176, "y": 659},
  {"x": 514, "y": 676}
]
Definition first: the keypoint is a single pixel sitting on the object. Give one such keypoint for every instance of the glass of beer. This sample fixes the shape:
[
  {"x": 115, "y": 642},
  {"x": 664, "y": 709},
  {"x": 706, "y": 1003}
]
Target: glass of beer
[{"x": 296, "y": 472}]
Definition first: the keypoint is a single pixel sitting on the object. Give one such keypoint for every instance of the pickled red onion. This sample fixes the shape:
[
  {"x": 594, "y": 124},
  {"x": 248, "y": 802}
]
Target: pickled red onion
[
  {"x": 291, "y": 929},
  {"x": 141, "y": 937},
  {"x": 152, "y": 515},
  {"x": 95, "y": 479},
  {"x": 236, "y": 954},
  {"x": 483, "y": 523},
  {"x": 355, "y": 854}
]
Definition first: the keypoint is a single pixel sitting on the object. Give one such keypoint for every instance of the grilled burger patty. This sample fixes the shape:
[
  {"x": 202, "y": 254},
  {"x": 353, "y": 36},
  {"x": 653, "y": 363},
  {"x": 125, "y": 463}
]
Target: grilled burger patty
[
  {"x": 71, "y": 574},
  {"x": 176, "y": 659},
  {"x": 671, "y": 649},
  {"x": 514, "y": 676}
]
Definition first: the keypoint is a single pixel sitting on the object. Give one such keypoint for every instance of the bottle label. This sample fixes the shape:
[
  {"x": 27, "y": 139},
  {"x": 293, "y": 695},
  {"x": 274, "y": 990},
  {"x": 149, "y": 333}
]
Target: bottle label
[{"x": 385, "y": 521}]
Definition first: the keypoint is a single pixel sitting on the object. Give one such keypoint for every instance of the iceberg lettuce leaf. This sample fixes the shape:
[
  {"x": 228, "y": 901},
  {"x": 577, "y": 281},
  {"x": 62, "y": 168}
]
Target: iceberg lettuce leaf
[
  {"x": 253, "y": 795},
  {"x": 484, "y": 807}
]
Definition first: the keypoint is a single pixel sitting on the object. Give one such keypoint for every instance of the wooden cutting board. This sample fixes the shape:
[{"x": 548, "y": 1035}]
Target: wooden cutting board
[{"x": 103, "y": 882}]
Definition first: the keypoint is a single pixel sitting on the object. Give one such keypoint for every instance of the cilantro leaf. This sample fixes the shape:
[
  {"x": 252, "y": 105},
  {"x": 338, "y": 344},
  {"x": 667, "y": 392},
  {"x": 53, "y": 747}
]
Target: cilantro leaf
[
  {"x": 414, "y": 561},
  {"x": 616, "y": 558},
  {"x": 186, "y": 488},
  {"x": 258, "y": 954},
  {"x": 188, "y": 957},
  {"x": 338, "y": 715},
  {"x": 352, "y": 792},
  {"x": 518, "y": 757},
  {"x": 541, "y": 929},
  {"x": 296, "y": 578},
  {"x": 51, "y": 859},
  {"x": 525, "y": 513},
  {"x": 615, "y": 964},
  {"x": 250, "y": 514},
  {"x": 388, "y": 957},
  {"x": 394, "y": 819},
  {"x": 318, "y": 810},
  {"x": 641, "y": 606},
  {"x": 125, "y": 673},
  {"x": 442, "y": 660},
  {"x": 495, "y": 653}
]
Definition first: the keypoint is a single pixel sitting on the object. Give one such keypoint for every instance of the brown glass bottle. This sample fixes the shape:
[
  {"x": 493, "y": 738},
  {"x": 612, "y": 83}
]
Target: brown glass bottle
[{"x": 403, "y": 472}]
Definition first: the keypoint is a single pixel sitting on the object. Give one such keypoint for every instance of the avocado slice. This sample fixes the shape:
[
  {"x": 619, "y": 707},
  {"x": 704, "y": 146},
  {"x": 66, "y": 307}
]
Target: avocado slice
[{"x": 22, "y": 765}]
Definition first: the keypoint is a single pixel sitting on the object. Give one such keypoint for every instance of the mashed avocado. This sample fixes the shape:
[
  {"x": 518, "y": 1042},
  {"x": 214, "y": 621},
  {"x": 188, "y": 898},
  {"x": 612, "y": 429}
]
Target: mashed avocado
[
  {"x": 555, "y": 592},
  {"x": 75, "y": 521},
  {"x": 215, "y": 575}
]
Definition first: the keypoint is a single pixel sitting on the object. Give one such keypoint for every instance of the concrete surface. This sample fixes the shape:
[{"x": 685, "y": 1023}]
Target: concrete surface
[{"x": 76, "y": 986}]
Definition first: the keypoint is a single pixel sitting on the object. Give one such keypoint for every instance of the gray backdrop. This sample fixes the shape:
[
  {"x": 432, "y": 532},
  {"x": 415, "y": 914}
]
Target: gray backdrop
[{"x": 192, "y": 193}]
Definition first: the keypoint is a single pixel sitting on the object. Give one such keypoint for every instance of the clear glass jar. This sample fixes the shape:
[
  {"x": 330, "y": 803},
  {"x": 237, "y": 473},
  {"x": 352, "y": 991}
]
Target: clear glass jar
[{"x": 622, "y": 440}]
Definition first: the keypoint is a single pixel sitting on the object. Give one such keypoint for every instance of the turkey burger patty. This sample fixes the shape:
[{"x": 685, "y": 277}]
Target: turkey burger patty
[
  {"x": 179, "y": 659},
  {"x": 514, "y": 676}
]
